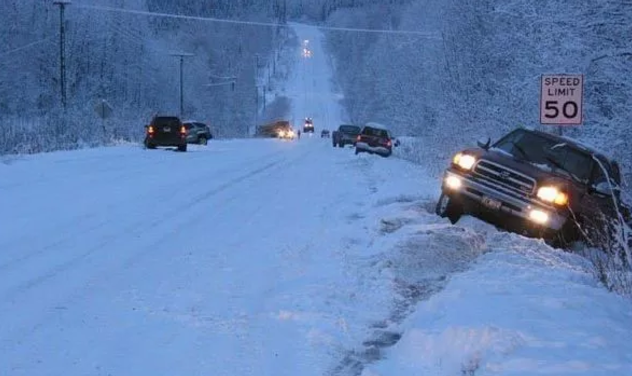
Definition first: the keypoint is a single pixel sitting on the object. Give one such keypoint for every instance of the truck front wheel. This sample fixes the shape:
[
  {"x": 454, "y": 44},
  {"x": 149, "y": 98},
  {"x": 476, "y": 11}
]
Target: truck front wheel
[
  {"x": 569, "y": 233},
  {"x": 448, "y": 207}
]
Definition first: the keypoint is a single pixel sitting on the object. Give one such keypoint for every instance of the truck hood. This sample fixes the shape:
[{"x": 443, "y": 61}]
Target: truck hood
[{"x": 541, "y": 173}]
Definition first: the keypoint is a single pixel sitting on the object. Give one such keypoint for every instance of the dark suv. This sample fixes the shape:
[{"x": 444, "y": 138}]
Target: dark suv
[
  {"x": 166, "y": 131},
  {"x": 197, "y": 133},
  {"x": 347, "y": 134},
  {"x": 537, "y": 184}
]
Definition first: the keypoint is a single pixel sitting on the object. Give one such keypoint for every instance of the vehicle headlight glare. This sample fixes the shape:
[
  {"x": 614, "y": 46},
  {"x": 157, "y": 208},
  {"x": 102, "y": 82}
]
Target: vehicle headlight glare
[
  {"x": 552, "y": 195},
  {"x": 538, "y": 216},
  {"x": 464, "y": 161},
  {"x": 453, "y": 182}
]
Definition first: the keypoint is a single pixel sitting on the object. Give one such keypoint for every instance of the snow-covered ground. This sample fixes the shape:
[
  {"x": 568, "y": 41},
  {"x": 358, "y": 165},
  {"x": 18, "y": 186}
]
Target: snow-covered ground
[{"x": 269, "y": 257}]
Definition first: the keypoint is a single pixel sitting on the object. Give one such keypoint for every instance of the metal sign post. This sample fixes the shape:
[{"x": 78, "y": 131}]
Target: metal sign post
[{"x": 104, "y": 111}]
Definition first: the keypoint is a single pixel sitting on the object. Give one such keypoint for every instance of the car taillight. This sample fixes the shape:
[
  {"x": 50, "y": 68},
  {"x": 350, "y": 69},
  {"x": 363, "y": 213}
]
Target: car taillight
[
  {"x": 150, "y": 130},
  {"x": 389, "y": 143},
  {"x": 358, "y": 138}
]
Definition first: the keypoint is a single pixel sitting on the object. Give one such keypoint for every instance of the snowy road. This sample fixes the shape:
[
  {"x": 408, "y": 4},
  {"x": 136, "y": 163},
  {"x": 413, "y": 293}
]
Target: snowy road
[
  {"x": 127, "y": 261},
  {"x": 240, "y": 258}
]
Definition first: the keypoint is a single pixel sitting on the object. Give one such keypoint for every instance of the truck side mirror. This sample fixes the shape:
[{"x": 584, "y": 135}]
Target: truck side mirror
[
  {"x": 603, "y": 188},
  {"x": 483, "y": 143}
]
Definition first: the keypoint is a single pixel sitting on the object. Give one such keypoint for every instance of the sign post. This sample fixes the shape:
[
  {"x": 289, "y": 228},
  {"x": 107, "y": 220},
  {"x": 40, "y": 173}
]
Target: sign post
[
  {"x": 561, "y": 99},
  {"x": 104, "y": 111}
]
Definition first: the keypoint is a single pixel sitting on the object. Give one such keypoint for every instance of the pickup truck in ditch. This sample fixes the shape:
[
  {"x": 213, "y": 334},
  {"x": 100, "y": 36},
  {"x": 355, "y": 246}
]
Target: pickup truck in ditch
[
  {"x": 539, "y": 185},
  {"x": 346, "y": 134}
]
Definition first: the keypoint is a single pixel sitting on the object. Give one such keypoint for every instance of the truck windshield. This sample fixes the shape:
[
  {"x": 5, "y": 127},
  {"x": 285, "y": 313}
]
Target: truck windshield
[
  {"x": 547, "y": 153},
  {"x": 376, "y": 132}
]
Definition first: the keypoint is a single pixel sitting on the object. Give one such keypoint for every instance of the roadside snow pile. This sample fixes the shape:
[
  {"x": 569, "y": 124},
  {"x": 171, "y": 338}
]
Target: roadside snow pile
[
  {"x": 523, "y": 309},
  {"x": 407, "y": 255}
]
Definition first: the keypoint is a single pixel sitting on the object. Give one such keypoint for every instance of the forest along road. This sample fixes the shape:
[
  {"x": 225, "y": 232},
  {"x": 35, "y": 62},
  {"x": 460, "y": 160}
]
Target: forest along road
[{"x": 228, "y": 259}]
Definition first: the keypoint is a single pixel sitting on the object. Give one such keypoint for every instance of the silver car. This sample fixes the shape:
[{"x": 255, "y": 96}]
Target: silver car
[{"x": 197, "y": 133}]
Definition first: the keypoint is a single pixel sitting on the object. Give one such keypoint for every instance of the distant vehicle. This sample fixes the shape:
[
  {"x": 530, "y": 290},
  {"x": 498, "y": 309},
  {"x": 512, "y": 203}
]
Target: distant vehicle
[
  {"x": 375, "y": 139},
  {"x": 536, "y": 184},
  {"x": 166, "y": 131},
  {"x": 197, "y": 133},
  {"x": 324, "y": 133},
  {"x": 347, "y": 134},
  {"x": 272, "y": 129},
  {"x": 308, "y": 127},
  {"x": 286, "y": 134}
]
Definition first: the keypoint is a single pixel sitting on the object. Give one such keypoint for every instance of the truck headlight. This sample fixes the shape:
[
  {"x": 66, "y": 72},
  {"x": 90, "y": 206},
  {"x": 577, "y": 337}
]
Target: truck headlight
[
  {"x": 453, "y": 182},
  {"x": 464, "y": 161},
  {"x": 539, "y": 216},
  {"x": 552, "y": 195}
]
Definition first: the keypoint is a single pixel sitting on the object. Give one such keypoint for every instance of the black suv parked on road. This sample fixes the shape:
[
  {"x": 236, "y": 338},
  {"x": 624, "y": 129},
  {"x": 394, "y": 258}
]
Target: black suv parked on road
[
  {"x": 537, "y": 184},
  {"x": 166, "y": 131}
]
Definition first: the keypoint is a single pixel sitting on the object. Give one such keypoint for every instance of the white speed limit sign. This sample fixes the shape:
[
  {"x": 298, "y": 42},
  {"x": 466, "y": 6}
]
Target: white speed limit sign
[{"x": 561, "y": 99}]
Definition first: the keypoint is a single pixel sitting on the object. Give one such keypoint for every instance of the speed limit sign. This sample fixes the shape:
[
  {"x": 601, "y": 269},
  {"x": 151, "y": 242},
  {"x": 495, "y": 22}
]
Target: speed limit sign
[{"x": 561, "y": 99}]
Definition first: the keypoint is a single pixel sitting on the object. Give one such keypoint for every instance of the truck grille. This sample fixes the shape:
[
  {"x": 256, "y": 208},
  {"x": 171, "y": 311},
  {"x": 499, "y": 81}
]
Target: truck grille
[{"x": 503, "y": 178}]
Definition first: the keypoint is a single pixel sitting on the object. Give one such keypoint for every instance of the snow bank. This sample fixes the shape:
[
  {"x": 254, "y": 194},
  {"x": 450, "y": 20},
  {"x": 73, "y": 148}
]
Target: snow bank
[{"x": 524, "y": 309}]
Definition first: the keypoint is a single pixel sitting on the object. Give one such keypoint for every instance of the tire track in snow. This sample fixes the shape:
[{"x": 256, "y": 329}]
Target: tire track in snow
[
  {"x": 420, "y": 266},
  {"x": 136, "y": 227},
  {"x": 181, "y": 188},
  {"x": 148, "y": 249}
]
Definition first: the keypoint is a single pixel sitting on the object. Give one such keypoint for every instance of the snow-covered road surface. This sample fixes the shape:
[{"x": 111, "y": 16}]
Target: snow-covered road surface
[
  {"x": 264, "y": 257},
  {"x": 226, "y": 260}
]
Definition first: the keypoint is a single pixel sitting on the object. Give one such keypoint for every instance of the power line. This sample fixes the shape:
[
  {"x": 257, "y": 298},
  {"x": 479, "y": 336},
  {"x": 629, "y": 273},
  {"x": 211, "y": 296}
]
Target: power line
[
  {"x": 430, "y": 35},
  {"x": 26, "y": 46}
]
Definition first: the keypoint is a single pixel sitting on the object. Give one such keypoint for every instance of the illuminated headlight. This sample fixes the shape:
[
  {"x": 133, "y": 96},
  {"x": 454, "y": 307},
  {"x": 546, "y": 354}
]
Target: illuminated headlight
[
  {"x": 553, "y": 195},
  {"x": 453, "y": 182},
  {"x": 538, "y": 216},
  {"x": 465, "y": 161},
  {"x": 282, "y": 134}
]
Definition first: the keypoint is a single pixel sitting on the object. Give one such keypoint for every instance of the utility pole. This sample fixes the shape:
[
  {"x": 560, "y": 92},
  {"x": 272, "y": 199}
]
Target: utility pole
[
  {"x": 257, "y": 90},
  {"x": 62, "y": 48},
  {"x": 182, "y": 55}
]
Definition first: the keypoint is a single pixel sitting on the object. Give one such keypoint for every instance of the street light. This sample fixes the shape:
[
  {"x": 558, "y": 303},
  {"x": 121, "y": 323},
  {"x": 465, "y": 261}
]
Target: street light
[{"x": 182, "y": 55}]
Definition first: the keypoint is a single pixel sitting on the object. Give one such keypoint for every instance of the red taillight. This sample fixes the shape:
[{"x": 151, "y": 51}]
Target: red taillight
[
  {"x": 359, "y": 138},
  {"x": 150, "y": 130},
  {"x": 183, "y": 129},
  {"x": 389, "y": 143}
]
